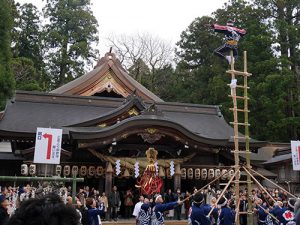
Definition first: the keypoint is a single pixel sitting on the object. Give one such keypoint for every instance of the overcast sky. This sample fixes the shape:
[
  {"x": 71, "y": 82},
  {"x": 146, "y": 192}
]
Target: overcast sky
[{"x": 165, "y": 19}]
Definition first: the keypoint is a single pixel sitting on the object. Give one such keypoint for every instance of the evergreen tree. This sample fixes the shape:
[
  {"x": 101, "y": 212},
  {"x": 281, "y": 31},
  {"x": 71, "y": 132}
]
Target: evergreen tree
[
  {"x": 283, "y": 18},
  {"x": 6, "y": 76},
  {"x": 70, "y": 37},
  {"x": 28, "y": 66}
]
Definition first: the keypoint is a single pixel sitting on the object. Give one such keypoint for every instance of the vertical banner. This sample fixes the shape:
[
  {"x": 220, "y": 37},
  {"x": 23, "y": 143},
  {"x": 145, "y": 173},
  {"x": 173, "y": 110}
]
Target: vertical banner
[
  {"x": 295, "y": 147},
  {"x": 47, "y": 146}
]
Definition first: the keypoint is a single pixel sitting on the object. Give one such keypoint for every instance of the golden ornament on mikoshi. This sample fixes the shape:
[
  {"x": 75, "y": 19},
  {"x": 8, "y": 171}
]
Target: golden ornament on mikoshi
[{"x": 150, "y": 182}]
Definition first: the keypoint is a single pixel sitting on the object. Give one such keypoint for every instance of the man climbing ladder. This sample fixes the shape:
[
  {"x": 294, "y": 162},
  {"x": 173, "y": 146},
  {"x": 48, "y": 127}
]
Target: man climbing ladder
[{"x": 232, "y": 37}]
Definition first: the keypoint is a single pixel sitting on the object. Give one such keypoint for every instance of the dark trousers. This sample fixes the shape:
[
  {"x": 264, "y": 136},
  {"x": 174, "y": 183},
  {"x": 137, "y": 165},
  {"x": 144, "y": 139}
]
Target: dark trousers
[
  {"x": 114, "y": 213},
  {"x": 128, "y": 211},
  {"x": 177, "y": 213}
]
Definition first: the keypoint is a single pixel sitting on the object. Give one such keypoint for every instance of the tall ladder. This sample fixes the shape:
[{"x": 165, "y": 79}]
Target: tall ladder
[{"x": 234, "y": 75}]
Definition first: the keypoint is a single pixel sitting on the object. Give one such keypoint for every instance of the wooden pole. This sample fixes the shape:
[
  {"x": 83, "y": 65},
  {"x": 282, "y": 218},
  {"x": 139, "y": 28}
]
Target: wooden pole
[
  {"x": 205, "y": 186},
  {"x": 281, "y": 188},
  {"x": 247, "y": 142},
  {"x": 237, "y": 209},
  {"x": 222, "y": 193},
  {"x": 258, "y": 183},
  {"x": 266, "y": 211},
  {"x": 236, "y": 135}
]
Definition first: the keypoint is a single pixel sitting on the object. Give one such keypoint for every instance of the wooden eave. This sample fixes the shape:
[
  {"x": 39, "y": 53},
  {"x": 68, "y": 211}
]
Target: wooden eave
[
  {"x": 132, "y": 107},
  {"x": 108, "y": 71}
]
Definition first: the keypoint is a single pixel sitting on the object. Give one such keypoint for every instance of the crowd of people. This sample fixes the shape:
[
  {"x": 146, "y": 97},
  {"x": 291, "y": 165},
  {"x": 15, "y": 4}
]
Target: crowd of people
[{"x": 269, "y": 207}]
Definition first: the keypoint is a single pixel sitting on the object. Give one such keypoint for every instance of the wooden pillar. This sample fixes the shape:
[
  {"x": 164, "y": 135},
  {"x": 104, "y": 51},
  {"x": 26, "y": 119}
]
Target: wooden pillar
[
  {"x": 108, "y": 185},
  {"x": 108, "y": 178},
  {"x": 177, "y": 177}
]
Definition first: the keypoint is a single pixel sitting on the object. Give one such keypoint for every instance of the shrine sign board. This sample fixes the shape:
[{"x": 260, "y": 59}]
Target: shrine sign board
[
  {"x": 295, "y": 147},
  {"x": 47, "y": 146}
]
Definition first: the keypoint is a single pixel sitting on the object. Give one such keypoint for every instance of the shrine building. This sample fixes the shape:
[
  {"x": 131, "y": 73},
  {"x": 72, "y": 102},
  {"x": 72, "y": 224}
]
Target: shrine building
[{"x": 107, "y": 116}]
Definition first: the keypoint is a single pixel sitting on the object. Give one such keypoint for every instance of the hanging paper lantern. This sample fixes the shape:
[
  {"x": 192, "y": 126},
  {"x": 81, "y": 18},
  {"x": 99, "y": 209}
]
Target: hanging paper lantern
[
  {"x": 183, "y": 173},
  {"x": 83, "y": 171},
  {"x": 67, "y": 170},
  {"x": 99, "y": 171},
  {"x": 190, "y": 173},
  {"x": 24, "y": 169},
  {"x": 91, "y": 171},
  {"x": 211, "y": 174},
  {"x": 136, "y": 170},
  {"x": 204, "y": 174},
  {"x": 75, "y": 171},
  {"x": 231, "y": 173},
  {"x": 58, "y": 170},
  {"x": 224, "y": 174},
  {"x": 197, "y": 174},
  {"x": 217, "y": 173},
  {"x": 32, "y": 169}
]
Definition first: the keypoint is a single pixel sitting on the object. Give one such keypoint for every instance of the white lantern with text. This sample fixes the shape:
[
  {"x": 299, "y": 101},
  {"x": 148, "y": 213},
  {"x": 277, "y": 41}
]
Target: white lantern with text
[
  {"x": 204, "y": 174},
  {"x": 67, "y": 171},
  {"x": 211, "y": 174},
  {"x": 24, "y": 169},
  {"x": 190, "y": 173},
  {"x": 197, "y": 174}
]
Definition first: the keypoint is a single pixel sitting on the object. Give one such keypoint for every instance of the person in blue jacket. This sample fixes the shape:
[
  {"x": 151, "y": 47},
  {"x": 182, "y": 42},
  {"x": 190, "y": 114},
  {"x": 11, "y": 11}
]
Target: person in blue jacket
[
  {"x": 94, "y": 213},
  {"x": 144, "y": 217},
  {"x": 157, "y": 217},
  {"x": 262, "y": 212},
  {"x": 278, "y": 211},
  {"x": 197, "y": 211},
  {"x": 226, "y": 216}
]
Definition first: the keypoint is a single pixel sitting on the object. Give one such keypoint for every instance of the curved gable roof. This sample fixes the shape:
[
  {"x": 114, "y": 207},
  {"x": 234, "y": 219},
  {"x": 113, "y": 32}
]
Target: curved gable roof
[{"x": 107, "y": 75}]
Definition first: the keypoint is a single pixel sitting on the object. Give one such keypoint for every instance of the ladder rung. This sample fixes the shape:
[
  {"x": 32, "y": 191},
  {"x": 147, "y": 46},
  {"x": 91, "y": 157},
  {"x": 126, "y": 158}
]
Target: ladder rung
[
  {"x": 245, "y": 212},
  {"x": 246, "y": 137},
  {"x": 240, "y": 86},
  {"x": 239, "y": 97},
  {"x": 241, "y": 152},
  {"x": 239, "y": 73},
  {"x": 240, "y": 124},
  {"x": 239, "y": 110},
  {"x": 241, "y": 181}
]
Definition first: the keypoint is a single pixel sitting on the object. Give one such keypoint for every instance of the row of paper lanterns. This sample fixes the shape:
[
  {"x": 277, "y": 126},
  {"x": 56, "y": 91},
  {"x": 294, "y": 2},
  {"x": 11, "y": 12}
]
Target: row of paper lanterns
[
  {"x": 97, "y": 171},
  {"x": 206, "y": 174},
  {"x": 67, "y": 170}
]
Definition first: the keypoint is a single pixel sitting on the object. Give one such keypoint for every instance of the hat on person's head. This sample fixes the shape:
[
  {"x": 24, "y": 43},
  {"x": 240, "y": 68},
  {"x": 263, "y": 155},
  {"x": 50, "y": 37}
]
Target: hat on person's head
[
  {"x": 291, "y": 203},
  {"x": 198, "y": 198},
  {"x": 222, "y": 202},
  {"x": 230, "y": 23}
]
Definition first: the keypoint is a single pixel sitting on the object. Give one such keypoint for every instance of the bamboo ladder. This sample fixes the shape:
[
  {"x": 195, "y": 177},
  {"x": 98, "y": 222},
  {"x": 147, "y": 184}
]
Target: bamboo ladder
[{"x": 234, "y": 73}]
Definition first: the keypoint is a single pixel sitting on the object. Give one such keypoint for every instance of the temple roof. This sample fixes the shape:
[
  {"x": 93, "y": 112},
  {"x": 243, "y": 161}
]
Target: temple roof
[
  {"x": 80, "y": 116},
  {"x": 108, "y": 75},
  {"x": 78, "y": 108}
]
